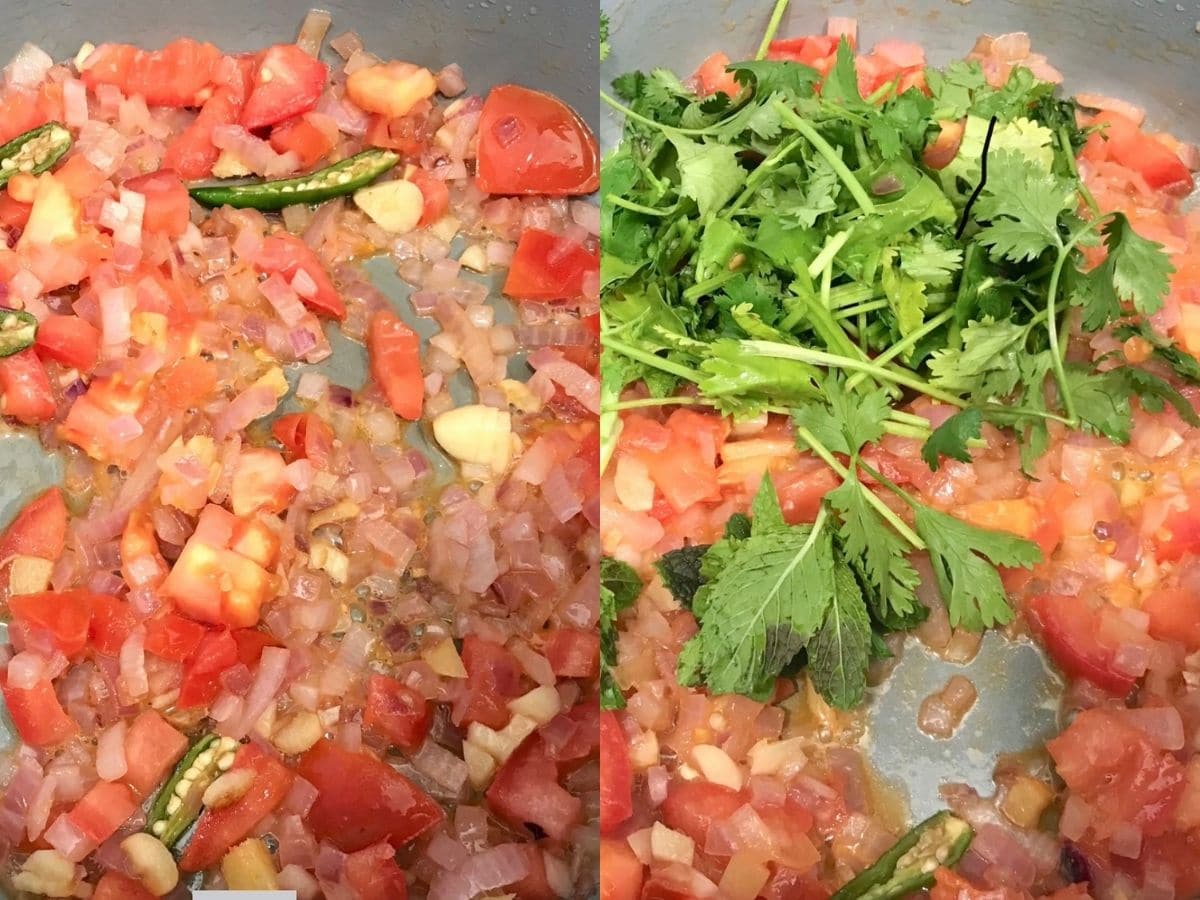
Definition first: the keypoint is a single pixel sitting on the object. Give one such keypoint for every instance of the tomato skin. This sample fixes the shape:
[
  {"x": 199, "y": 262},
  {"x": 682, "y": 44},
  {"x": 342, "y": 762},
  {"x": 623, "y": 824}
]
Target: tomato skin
[
  {"x": 112, "y": 620},
  {"x": 691, "y": 806},
  {"x": 573, "y": 653},
  {"x": 69, "y": 340},
  {"x": 534, "y": 143},
  {"x": 1069, "y": 631},
  {"x": 286, "y": 255},
  {"x": 434, "y": 192},
  {"x": 65, "y": 616},
  {"x": 172, "y": 76},
  {"x": 548, "y": 267},
  {"x": 616, "y": 774},
  {"x": 621, "y": 872},
  {"x": 493, "y": 678},
  {"x": 809, "y": 50},
  {"x": 40, "y": 528},
  {"x": 103, "y": 810},
  {"x": 373, "y": 873},
  {"x": 397, "y": 712},
  {"x": 220, "y": 829},
  {"x": 152, "y": 748},
  {"x": 174, "y": 637},
  {"x": 305, "y": 436},
  {"x": 26, "y": 388},
  {"x": 526, "y": 790},
  {"x": 395, "y": 353},
  {"x": 115, "y": 886},
  {"x": 713, "y": 79},
  {"x": 305, "y": 137},
  {"x": 216, "y": 652},
  {"x": 293, "y": 86},
  {"x": 189, "y": 382},
  {"x": 168, "y": 209},
  {"x": 362, "y": 800},
  {"x": 37, "y": 715}
]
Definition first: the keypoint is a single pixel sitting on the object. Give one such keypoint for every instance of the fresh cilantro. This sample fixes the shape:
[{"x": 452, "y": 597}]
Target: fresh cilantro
[
  {"x": 1135, "y": 270},
  {"x": 619, "y": 588},
  {"x": 1183, "y": 364},
  {"x": 951, "y": 438},
  {"x": 605, "y": 46},
  {"x": 1022, "y": 205}
]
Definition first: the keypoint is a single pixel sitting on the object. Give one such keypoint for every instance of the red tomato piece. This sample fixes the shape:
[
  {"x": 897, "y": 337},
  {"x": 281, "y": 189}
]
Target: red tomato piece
[
  {"x": 103, "y": 810},
  {"x": 286, "y": 254},
  {"x": 1174, "y": 616},
  {"x": 288, "y": 82},
  {"x": 26, "y": 388},
  {"x": 115, "y": 886},
  {"x": 493, "y": 678},
  {"x": 250, "y": 644},
  {"x": 1129, "y": 146},
  {"x": 174, "y": 637},
  {"x": 1069, "y": 629},
  {"x": 152, "y": 748},
  {"x": 397, "y": 712},
  {"x": 13, "y": 213},
  {"x": 112, "y": 620},
  {"x": 69, "y": 340},
  {"x": 548, "y": 267},
  {"x": 691, "y": 806},
  {"x": 168, "y": 208},
  {"x": 809, "y": 50},
  {"x": 40, "y": 528},
  {"x": 362, "y": 800},
  {"x": 583, "y": 740},
  {"x": 1180, "y": 533},
  {"x": 219, "y": 829},
  {"x": 19, "y": 113},
  {"x": 260, "y": 483},
  {"x": 952, "y": 886},
  {"x": 374, "y": 875},
  {"x": 801, "y": 491},
  {"x": 573, "y": 653},
  {"x": 142, "y": 564},
  {"x": 189, "y": 382},
  {"x": 308, "y": 136},
  {"x": 1119, "y": 772},
  {"x": 621, "y": 871},
  {"x": 192, "y": 152},
  {"x": 38, "y": 716},
  {"x": 202, "y": 676},
  {"x": 712, "y": 78},
  {"x": 534, "y": 143},
  {"x": 305, "y": 436},
  {"x": 616, "y": 774},
  {"x": 64, "y": 616},
  {"x": 434, "y": 192},
  {"x": 176, "y": 75},
  {"x": 526, "y": 792},
  {"x": 395, "y": 353}
]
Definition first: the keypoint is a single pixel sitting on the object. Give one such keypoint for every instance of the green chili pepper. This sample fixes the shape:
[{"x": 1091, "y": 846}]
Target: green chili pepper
[
  {"x": 337, "y": 180},
  {"x": 908, "y": 866},
  {"x": 178, "y": 804},
  {"x": 17, "y": 331},
  {"x": 34, "y": 151}
]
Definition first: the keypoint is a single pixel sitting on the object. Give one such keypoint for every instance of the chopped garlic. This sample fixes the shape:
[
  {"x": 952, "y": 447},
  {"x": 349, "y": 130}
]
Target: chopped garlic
[
  {"x": 541, "y": 704},
  {"x": 478, "y": 434},
  {"x": 718, "y": 766},
  {"x": 671, "y": 846},
  {"x": 336, "y": 564},
  {"x": 772, "y": 757},
  {"x": 446, "y": 228},
  {"x": 85, "y": 50},
  {"x": 229, "y": 166},
  {"x": 519, "y": 396},
  {"x": 443, "y": 658},
  {"x": 474, "y": 258},
  {"x": 29, "y": 575},
  {"x": 481, "y": 766},
  {"x": 339, "y": 512},
  {"x": 501, "y": 744},
  {"x": 394, "y": 206}
]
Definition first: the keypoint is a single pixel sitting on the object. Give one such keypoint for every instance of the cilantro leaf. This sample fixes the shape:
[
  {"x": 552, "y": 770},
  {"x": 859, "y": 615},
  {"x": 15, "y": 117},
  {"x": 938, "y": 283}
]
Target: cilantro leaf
[
  {"x": 964, "y": 559},
  {"x": 619, "y": 589},
  {"x": 1141, "y": 270},
  {"x": 791, "y": 79},
  {"x": 906, "y": 295},
  {"x": 951, "y": 437},
  {"x": 1183, "y": 364},
  {"x": 1153, "y": 393},
  {"x": 605, "y": 46},
  {"x": 840, "y": 652},
  {"x": 708, "y": 173},
  {"x": 930, "y": 260},
  {"x": 845, "y": 422},
  {"x": 1021, "y": 204},
  {"x": 986, "y": 363}
]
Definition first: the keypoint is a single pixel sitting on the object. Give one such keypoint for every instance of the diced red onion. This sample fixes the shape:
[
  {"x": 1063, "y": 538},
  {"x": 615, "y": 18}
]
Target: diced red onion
[
  {"x": 40, "y": 807},
  {"x": 1162, "y": 724},
  {"x": 293, "y": 878},
  {"x": 313, "y": 30},
  {"x": 447, "y": 852},
  {"x": 441, "y": 765},
  {"x": 573, "y": 379},
  {"x": 110, "y": 752},
  {"x": 65, "y": 837},
  {"x": 300, "y": 798},
  {"x": 501, "y": 865},
  {"x": 268, "y": 682},
  {"x": 26, "y": 669},
  {"x": 133, "y": 664},
  {"x": 29, "y": 67}
]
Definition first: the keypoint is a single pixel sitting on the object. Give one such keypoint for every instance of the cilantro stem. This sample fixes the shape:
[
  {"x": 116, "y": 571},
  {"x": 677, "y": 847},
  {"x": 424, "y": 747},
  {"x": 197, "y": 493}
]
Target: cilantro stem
[
  {"x": 849, "y": 312},
  {"x": 1057, "y": 351},
  {"x": 772, "y": 28},
  {"x": 760, "y": 173},
  {"x": 651, "y": 359},
  {"x": 645, "y": 402},
  {"x": 639, "y": 208},
  {"x": 870, "y": 496},
  {"x": 638, "y": 117},
  {"x": 905, "y": 344},
  {"x": 820, "y": 358},
  {"x": 708, "y": 285},
  {"x": 824, "y": 260},
  {"x": 831, "y": 156},
  {"x": 1065, "y": 142}
]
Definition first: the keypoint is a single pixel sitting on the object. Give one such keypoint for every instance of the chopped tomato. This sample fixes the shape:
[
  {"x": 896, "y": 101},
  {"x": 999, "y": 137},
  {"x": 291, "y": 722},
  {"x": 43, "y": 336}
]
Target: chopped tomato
[
  {"x": 286, "y": 255},
  {"x": 691, "y": 806},
  {"x": 666, "y": 885},
  {"x": 616, "y": 774},
  {"x": 26, "y": 388},
  {"x": 142, "y": 563},
  {"x": 374, "y": 875},
  {"x": 493, "y": 678},
  {"x": 288, "y": 82},
  {"x": 1174, "y": 616},
  {"x": 174, "y": 637},
  {"x": 176, "y": 75},
  {"x": 811, "y": 50},
  {"x": 87, "y": 423},
  {"x": 952, "y": 886},
  {"x": 1129, "y": 146},
  {"x": 685, "y": 472},
  {"x": 942, "y": 150},
  {"x": 362, "y": 800},
  {"x": 1115, "y": 768},
  {"x": 395, "y": 353},
  {"x": 621, "y": 871},
  {"x": 260, "y": 483},
  {"x": 19, "y": 113},
  {"x": 308, "y": 136},
  {"x": 1069, "y": 630},
  {"x": 115, "y": 886},
  {"x": 219, "y": 829},
  {"x": 392, "y": 89},
  {"x": 13, "y": 213},
  {"x": 152, "y": 748},
  {"x": 192, "y": 152},
  {"x": 712, "y": 78},
  {"x": 1019, "y": 516},
  {"x": 582, "y": 739},
  {"x": 533, "y": 143},
  {"x": 397, "y": 712},
  {"x": 802, "y": 490},
  {"x": 63, "y": 616},
  {"x": 168, "y": 208},
  {"x": 189, "y": 382},
  {"x": 305, "y": 436},
  {"x": 434, "y": 192},
  {"x": 548, "y": 267},
  {"x": 526, "y": 792},
  {"x": 69, "y": 340},
  {"x": 112, "y": 620},
  {"x": 1180, "y": 533},
  {"x": 103, "y": 810},
  {"x": 573, "y": 652},
  {"x": 216, "y": 652},
  {"x": 250, "y": 644},
  {"x": 37, "y": 715},
  {"x": 40, "y": 528}
]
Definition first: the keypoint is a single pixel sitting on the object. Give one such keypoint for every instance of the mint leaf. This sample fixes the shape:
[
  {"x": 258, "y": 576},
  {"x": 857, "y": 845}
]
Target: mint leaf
[
  {"x": 619, "y": 589},
  {"x": 840, "y": 652},
  {"x": 680, "y": 572}
]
